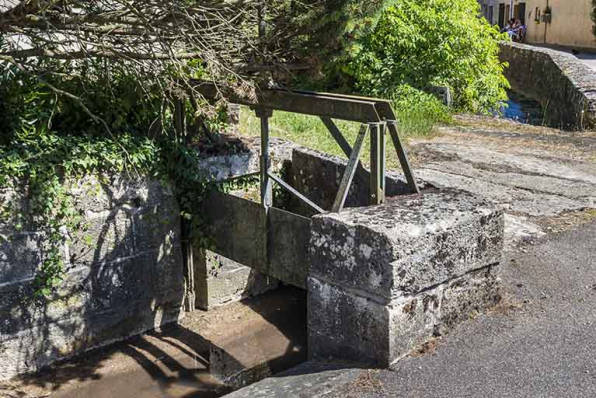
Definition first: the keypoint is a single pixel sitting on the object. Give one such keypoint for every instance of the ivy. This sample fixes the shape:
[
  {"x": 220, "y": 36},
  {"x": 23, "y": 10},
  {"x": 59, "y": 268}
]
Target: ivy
[
  {"x": 47, "y": 143},
  {"x": 49, "y": 162}
]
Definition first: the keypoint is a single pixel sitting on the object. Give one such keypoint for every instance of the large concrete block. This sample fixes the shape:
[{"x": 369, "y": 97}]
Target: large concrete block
[
  {"x": 385, "y": 279},
  {"x": 345, "y": 325},
  {"x": 410, "y": 244}
]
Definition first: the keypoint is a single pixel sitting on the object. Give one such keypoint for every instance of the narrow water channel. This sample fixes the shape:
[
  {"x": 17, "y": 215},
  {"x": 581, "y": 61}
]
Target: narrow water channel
[{"x": 523, "y": 110}]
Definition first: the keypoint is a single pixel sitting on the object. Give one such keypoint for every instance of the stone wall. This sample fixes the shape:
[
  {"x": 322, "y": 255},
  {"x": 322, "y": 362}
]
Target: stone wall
[
  {"x": 318, "y": 175},
  {"x": 564, "y": 86},
  {"x": 124, "y": 274}
]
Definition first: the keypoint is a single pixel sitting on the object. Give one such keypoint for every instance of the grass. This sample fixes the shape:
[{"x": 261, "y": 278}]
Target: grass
[{"x": 310, "y": 132}]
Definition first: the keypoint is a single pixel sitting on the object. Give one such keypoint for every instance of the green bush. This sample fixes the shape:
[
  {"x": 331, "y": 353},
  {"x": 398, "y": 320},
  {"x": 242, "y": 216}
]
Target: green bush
[
  {"x": 421, "y": 43},
  {"x": 26, "y": 104}
]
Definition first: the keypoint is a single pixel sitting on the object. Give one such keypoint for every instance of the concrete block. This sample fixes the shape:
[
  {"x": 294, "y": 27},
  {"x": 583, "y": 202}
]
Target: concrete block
[
  {"x": 407, "y": 245},
  {"x": 220, "y": 281},
  {"x": 385, "y": 279},
  {"x": 318, "y": 175},
  {"x": 345, "y": 325}
]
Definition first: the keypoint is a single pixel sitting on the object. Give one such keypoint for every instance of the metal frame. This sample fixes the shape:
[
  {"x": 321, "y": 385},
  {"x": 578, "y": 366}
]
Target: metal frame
[{"x": 375, "y": 115}]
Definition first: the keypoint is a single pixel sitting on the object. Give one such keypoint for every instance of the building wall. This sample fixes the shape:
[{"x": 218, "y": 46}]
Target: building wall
[{"x": 571, "y": 23}]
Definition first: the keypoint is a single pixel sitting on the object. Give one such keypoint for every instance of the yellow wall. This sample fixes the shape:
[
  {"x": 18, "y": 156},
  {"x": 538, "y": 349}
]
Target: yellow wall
[{"x": 571, "y": 23}]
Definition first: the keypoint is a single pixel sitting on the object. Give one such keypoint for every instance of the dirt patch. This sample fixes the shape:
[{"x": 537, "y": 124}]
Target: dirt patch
[{"x": 567, "y": 221}]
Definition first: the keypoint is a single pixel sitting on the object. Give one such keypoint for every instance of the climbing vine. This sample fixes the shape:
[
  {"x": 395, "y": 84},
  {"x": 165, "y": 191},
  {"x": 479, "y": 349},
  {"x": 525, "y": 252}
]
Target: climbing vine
[
  {"x": 47, "y": 143},
  {"x": 49, "y": 162}
]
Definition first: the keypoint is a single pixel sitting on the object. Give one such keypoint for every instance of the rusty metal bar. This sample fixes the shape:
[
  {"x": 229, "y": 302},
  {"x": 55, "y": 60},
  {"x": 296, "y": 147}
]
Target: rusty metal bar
[
  {"x": 346, "y": 181},
  {"x": 291, "y": 190},
  {"x": 383, "y": 106},
  {"x": 377, "y": 158},
  {"x": 403, "y": 156}
]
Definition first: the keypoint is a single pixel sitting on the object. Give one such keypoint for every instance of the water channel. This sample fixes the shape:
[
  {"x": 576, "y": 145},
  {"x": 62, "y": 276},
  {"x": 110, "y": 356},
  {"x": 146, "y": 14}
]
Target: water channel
[{"x": 523, "y": 110}]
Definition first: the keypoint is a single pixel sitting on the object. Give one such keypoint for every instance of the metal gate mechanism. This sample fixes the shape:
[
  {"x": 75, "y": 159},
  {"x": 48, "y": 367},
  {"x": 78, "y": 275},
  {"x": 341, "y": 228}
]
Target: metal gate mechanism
[{"x": 376, "y": 115}]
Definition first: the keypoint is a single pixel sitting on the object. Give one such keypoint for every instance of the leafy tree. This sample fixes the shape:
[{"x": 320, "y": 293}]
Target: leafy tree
[{"x": 419, "y": 43}]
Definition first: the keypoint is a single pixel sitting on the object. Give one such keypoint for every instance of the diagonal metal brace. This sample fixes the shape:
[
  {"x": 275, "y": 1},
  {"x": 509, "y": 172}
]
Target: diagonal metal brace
[
  {"x": 403, "y": 156},
  {"x": 294, "y": 192},
  {"x": 346, "y": 181},
  {"x": 362, "y": 174}
]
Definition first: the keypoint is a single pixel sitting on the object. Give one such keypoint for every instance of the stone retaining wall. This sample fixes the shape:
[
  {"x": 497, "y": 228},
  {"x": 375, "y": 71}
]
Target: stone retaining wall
[
  {"x": 125, "y": 274},
  {"x": 564, "y": 86}
]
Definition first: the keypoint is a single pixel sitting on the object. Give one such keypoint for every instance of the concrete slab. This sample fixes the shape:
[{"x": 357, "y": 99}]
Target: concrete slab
[
  {"x": 534, "y": 174},
  {"x": 309, "y": 380},
  {"x": 384, "y": 279}
]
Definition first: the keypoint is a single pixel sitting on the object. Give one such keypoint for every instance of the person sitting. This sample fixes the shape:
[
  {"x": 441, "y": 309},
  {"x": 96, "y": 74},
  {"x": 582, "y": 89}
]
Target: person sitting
[
  {"x": 509, "y": 26},
  {"x": 517, "y": 32}
]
